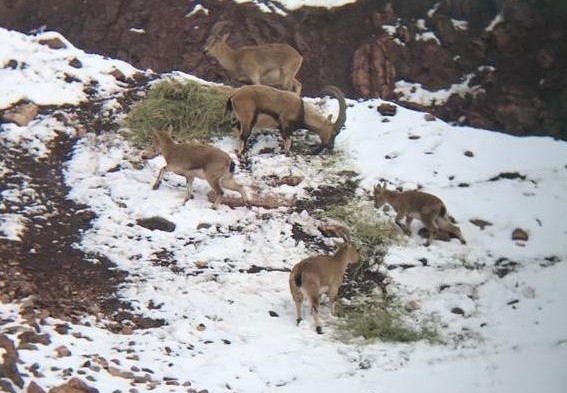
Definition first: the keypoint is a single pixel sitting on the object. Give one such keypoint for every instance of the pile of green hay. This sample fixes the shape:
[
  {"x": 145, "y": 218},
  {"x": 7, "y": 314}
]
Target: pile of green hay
[{"x": 193, "y": 111}]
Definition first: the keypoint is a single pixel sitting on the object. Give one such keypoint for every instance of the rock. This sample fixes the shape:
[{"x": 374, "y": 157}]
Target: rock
[
  {"x": 34, "y": 388},
  {"x": 156, "y": 223},
  {"x": 21, "y": 114},
  {"x": 9, "y": 361},
  {"x": 290, "y": 180},
  {"x": 53, "y": 42},
  {"x": 74, "y": 385},
  {"x": 118, "y": 75},
  {"x": 374, "y": 72},
  {"x": 62, "y": 351},
  {"x": 458, "y": 311},
  {"x": 386, "y": 109},
  {"x": 75, "y": 63},
  {"x": 480, "y": 223},
  {"x": 34, "y": 338},
  {"x": 429, "y": 117},
  {"x": 444, "y": 29},
  {"x": 520, "y": 235}
]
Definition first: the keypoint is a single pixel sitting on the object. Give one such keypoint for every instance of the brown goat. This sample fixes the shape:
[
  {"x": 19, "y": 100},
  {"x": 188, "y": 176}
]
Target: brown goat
[
  {"x": 267, "y": 64},
  {"x": 320, "y": 274},
  {"x": 288, "y": 110},
  {"x": 195, "y": 159},
  {"x": 420, "y": 205}
]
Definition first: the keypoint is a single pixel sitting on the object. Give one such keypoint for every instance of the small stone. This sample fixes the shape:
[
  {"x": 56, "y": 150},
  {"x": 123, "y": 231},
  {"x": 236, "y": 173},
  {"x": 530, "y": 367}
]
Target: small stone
[
  {"x": 75, "y": 63},
  {"x": 469, "y": 153},
  {"x": 273, "y": 313},
  {"x": 62, "y": 351},
  {"x": 75, "y": 385},
  {"x": 34, "y": 338},
  {"x": 458, "y": 311},
  {"x": 387, "y": 109},
  {"x": 480, "y": 223},
  {"x": 53, "y": 43},
  {"x": 156, "y": 223},
  {"x": 34, "y": 388},
  {"x": 520, "y": 235},
  {"x": 290, "y": 180},
  {"x": 429, "y": 117},
  {"x": 21, "y": 114}
]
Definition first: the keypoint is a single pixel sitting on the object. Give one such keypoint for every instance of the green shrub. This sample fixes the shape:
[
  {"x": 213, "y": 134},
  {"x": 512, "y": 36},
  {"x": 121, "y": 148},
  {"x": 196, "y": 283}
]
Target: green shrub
[
  {"x": 193, "y": 110},
  {"x": 371, "y": 235},
  {"x": 384, "y": 321}
]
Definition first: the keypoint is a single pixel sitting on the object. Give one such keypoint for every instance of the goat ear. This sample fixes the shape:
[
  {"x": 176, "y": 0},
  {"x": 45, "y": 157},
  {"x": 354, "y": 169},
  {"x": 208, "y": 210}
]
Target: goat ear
[{"x": 169, "y": 130}]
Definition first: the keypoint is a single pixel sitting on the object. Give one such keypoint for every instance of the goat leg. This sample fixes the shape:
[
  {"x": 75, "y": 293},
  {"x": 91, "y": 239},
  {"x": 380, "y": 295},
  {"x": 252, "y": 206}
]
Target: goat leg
[{"x": 159, "y": 178}]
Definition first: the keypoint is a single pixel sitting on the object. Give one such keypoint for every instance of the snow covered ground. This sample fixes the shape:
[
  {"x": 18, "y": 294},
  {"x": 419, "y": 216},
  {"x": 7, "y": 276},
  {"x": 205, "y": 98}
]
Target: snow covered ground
[{"x": 510, "y": 335}]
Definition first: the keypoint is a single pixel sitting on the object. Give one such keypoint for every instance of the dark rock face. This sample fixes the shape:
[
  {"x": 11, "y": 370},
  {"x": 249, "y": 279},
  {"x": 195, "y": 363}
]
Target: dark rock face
[{"x": 524, "y": 91}]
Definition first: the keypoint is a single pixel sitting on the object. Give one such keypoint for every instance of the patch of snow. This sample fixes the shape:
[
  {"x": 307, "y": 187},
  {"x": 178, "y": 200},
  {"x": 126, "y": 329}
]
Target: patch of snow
[
  {"x": 12, "y": 225},
  {"x": 196, "y": 10},
  {"x": 494, "y": 22}
]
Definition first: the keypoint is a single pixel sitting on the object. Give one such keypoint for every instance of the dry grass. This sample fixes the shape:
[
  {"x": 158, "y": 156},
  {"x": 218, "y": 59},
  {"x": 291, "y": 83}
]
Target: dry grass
[{"x": 193, "y": 111}]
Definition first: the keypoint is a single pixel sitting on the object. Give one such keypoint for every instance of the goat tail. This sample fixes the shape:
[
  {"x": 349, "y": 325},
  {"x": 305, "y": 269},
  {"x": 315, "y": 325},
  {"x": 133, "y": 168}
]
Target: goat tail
[
  {"x": 228, "y": 107},
  {"x": 443, "y": 212},
  {"x": 298, "y": 279},
  {"x": 232, "y": 167}
]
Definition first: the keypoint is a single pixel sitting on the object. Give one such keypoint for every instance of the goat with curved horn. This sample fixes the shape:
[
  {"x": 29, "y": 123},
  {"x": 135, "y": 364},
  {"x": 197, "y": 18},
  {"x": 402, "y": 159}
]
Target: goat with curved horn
[
  {"x": 266, "y": 64},
  {"x": 288, "y": 110}
]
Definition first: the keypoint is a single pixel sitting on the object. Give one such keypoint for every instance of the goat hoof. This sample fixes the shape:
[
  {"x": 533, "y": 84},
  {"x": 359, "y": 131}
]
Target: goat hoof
[
  {"x": 298, "y": 321},
  {"x": 463, "y": 242},
  {"x": 319, "y": 330}
]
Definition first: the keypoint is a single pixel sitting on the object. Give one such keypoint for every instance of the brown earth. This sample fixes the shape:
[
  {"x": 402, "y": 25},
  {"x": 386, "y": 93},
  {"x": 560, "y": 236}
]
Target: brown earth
[{"x": 525, "y": 93}]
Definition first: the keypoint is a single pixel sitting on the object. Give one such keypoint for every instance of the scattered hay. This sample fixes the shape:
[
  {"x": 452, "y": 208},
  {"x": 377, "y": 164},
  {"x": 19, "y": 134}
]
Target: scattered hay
[
  {"x": 383, "y": 321},
  {"x": 193, "y": 110}
]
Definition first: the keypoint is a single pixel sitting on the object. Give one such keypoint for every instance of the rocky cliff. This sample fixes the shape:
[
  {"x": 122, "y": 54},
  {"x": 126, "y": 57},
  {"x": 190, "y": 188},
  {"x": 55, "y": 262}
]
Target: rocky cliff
[{"x": 512, "y": 54}]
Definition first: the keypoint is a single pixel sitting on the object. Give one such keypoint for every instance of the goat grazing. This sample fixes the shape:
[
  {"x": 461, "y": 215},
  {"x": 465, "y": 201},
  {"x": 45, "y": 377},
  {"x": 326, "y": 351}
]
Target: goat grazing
[
  {"x": 195, "y": 159},
  {"x": 288, "y": 110},
  {"x": 320, "y": 274},
  {"x": 267, "y": 64},
  {"x": 420, "y": 205}
]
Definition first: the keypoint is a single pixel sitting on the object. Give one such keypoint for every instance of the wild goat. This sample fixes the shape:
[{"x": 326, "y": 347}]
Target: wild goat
[
  {"x": 320, "y": 274},
  {"x": 288, "y": 110},
  {"x": 267, "y": 64},
  {"x": 195, "y": 159},
  {"x": 420, "y": 205}
]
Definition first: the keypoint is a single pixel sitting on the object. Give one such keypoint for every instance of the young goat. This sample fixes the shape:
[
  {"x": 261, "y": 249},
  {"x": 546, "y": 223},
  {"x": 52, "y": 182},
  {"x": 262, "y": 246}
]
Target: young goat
[
  {"x": 195, "y": 159},
  {"x": 268, "y": 64},
  {"x": 420, "y": 205},
  {"x": 288, "y": 110},
  {"x": 320, "y": 274}
]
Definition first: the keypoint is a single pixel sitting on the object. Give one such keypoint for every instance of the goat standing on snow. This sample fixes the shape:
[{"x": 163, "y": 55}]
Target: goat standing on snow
[
  {"x": 267, "y": 64},
  {"x": 195, "y": 159},
  {"x": 420, "y": 205},
  {"x": 320, "y": 274}
]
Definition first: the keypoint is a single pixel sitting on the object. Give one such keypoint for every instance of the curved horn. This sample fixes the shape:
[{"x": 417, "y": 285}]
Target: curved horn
[
  {"x": 341, "y": 118},
  {"x": 219, "y": 26}
]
